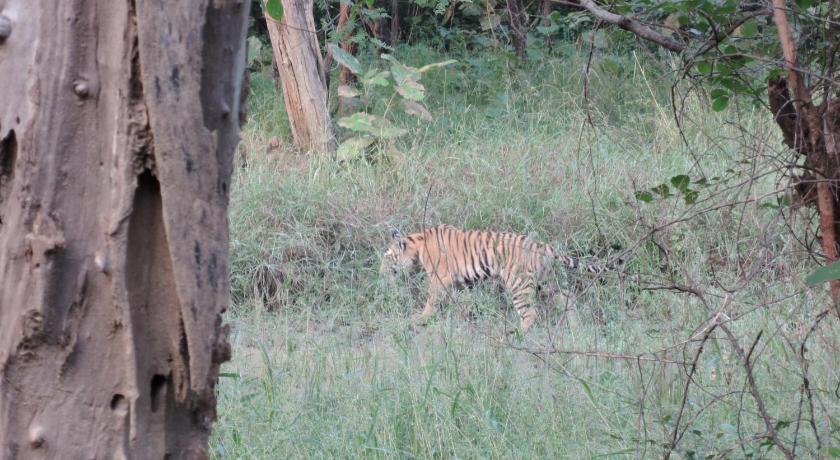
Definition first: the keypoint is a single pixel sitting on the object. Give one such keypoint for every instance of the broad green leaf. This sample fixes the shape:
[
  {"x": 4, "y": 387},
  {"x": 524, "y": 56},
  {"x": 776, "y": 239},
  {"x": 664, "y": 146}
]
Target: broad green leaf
[
  {"x": 548, "y": 30},
  {"x": 680, "y": 182},
  {"x": 833, "y": 452},
  {"x": 403, "y": 72},
  {"x": 645, "y": 197},
  {"x": 720, "y": 103},
  {"x": 749, "y": 28},
  {"x": 830, "y": 272},
  {"x": 410, "y": 89},
  {"x": 416, "y": 109},
  {"x": 367, "y": 123},
  {"x": 274, "y": 9},
  {"x": 407, "y": 85},
  {"x": 376, "y": 78},
  {"x": 346, "y": 91},
  {"x": 690, "y": 196},
  {"x": 663, "y": 189},
  {"x": 717, "y": 92},
  {"x": 344, "y": 58},
  {"x": 353, "y": 147},
  {"x": 429, "y": 67},
  {"x": 704, "y": 67}
]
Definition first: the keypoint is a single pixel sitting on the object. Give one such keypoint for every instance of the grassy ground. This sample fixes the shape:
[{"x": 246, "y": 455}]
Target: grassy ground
[{"x": 327, "y": 362}]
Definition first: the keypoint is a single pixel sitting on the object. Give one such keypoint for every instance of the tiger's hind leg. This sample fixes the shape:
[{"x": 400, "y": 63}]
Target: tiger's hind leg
[{"x": 523, "y": 295}]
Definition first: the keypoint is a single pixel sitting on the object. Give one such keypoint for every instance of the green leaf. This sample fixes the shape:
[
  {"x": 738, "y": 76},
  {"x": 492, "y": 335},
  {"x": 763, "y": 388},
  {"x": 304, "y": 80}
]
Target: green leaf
[
  {"x": 274, "y": 9},
  {"x": 663, "y": 189},
  {"x": 416, "y": 109},
  {"x": 690, "y": 196},
  {"x": 406, "y": 78},
  {"x": 353, "y": 147},
  {"x": 403, "y": 72},
  {"x": 410, "y": 89},
  {"x": 680, "y": 182},
  {"x": 833, "y": 452},
  {"x": 717, "y": 92},
  {"x": 588, "y": 392},
  {"x": 365, "y": 122},
  {"x": 704, "y": 67},
  {"x": 720, "y": 103},
  {"x": 229, "y": 375},
  {"x": 749, "y": 28},
  {"x": 344, "y": 58},
  {"x": 645, "y": 197},
  {"x": 830, "y": 272},
  {"x": 376, "y": 78}
]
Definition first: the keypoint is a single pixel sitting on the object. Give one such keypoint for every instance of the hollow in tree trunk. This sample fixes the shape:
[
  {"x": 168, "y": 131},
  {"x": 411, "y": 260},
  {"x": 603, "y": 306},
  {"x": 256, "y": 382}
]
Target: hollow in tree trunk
[
  {"x": 117, "y": 131},
  {"x": 294, "y": 43}
]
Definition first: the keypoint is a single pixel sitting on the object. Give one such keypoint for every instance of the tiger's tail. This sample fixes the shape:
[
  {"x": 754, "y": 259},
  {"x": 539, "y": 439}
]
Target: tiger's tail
[{"x": 584, "y": 265}]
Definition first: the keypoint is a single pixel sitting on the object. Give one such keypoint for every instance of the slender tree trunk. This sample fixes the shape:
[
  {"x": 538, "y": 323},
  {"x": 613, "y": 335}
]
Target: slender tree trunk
[
  {"x": 546, "y": 10},
  {"x": 518, "y": 28},
  {"x": 395, "y": 22},
  {"x": 117, "y": 131},
  {"x": 345, "y": 76},
  {"x": 302, "y": 75},
  {"x": 813, "y": 132}
]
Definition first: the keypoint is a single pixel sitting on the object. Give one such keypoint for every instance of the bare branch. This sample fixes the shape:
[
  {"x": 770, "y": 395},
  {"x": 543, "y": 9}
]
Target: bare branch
[{"x": 626, "y": 23}]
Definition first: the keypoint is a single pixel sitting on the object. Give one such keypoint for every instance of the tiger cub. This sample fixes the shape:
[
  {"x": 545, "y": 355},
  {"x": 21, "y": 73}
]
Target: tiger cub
[{"x": 454, "y": 258}]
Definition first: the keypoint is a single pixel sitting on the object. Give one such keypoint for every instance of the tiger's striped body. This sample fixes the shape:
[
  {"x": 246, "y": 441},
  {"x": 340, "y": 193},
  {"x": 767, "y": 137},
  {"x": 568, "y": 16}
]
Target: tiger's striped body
[{"x": 453, "y": 258}]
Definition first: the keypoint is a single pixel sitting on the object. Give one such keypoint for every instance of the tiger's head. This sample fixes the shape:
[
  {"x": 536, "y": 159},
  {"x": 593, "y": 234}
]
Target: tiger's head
[{"x": 401, "y": 255}]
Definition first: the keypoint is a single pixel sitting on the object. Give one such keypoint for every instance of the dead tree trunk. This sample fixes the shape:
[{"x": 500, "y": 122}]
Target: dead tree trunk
[
  {"x": 518, "y": 28},
  {"x": 294, "y": 43},
  {"x": 117, "y": 131}
]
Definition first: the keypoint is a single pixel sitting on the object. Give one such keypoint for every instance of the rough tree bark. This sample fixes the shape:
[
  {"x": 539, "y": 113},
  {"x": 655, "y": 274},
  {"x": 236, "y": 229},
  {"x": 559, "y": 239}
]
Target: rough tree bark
[
  {"x": 118, "y": 122},
  {"x": 294, "y": 43},
  {"x": 545, "y": 9},
  {"x": 395, "y": 22},
  {"x": 518, "y": 28},
  {"x": 813, "y": 132}
]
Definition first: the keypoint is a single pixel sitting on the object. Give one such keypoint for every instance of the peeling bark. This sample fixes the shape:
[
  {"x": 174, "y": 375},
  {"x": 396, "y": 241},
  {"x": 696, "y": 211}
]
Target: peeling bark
[
  {"x": 117, "y": 132},
  {"x": 811, "y": 131},
  {"x": 294, "y": 43}
]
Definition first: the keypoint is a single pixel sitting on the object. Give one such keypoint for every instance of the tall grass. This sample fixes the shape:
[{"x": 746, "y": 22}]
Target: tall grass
[{"x": 327, "y": 361}]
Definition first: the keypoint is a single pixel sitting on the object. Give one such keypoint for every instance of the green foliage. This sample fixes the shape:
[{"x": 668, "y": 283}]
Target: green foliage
[
  {"x": 338, "y": 370},
  {"x": 830, "y": 272},
  {"x": 404, "y": 82},
  {"x": 274, "y": 9},
  {"x": 682, "y": 183}
]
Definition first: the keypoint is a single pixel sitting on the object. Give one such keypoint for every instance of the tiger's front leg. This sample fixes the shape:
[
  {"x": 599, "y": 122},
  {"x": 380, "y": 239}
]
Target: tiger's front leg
[{"x": 435, "y": 288}]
